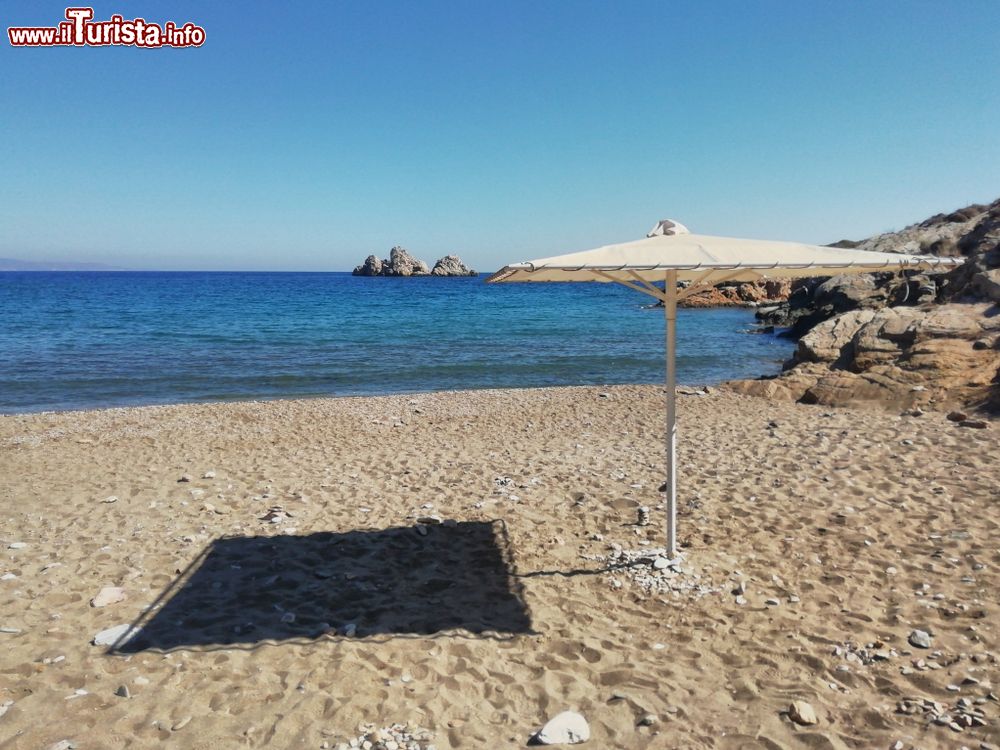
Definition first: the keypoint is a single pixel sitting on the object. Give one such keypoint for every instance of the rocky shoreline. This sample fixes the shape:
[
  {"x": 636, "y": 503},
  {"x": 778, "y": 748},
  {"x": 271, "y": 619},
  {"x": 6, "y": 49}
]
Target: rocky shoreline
[
  {"x": 401, "y": 263},
  {"x": 742, "y": 294},
  {"x": 909, "y": 341}
]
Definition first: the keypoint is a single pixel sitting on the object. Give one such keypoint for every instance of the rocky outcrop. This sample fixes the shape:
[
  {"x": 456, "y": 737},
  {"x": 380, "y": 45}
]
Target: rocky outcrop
[
  {"x": 940, "y": 356},
  {"x": 371, "y": 267},
  {"x": 749, "y": 294},
  {"x": 451, "y": 265},
  {"x": 905, "y": 341},
  {"x": 816, "y": 300},
  {"x": 401, "y": 263}
]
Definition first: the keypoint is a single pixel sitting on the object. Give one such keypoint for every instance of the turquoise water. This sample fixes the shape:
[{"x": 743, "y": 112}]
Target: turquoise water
[{"x": 82, "y": 340}]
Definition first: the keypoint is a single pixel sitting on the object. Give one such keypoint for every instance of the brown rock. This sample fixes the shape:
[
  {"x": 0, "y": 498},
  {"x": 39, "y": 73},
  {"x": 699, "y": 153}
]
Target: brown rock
[
  {"x": 832, "y": 340},
  {"x": 740, "y": 295},
  {"x": 978, "y": 424},
  {"x": 802, "y": 713}
]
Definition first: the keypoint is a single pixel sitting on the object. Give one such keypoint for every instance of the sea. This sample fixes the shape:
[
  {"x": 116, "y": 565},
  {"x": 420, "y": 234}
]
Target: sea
[{"x": 80, "y": 340}]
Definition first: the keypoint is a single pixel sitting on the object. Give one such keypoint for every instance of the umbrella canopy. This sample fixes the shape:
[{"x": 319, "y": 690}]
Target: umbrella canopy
[
  {"x": 670, "y": 253},
  {"x": 706, "y": 259}
]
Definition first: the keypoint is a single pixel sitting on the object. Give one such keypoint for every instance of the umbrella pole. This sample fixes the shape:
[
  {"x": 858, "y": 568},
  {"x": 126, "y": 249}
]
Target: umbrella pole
[{"x": 670, "y": 317}]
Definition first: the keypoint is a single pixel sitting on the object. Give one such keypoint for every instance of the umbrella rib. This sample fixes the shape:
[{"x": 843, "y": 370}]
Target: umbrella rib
[
  {"x": 652, "y": 289},
  {"x": 635, "y": 287}
]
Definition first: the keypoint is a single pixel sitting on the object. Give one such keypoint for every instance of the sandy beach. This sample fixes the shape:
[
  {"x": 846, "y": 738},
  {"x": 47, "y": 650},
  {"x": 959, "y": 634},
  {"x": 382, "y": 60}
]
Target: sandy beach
[{"x": 460, "y": 562}]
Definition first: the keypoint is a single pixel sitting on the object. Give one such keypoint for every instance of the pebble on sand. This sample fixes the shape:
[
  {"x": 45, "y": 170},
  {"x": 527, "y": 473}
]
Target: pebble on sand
[
  {"x": 180, "y": 724},
  {"x": 802, "y": 713},
  {"x": 111, "y": 636},
  {"x": 920, "y": 639},
  {"x": 567, "y": 728},
  {"x": 108, "y": 595}
]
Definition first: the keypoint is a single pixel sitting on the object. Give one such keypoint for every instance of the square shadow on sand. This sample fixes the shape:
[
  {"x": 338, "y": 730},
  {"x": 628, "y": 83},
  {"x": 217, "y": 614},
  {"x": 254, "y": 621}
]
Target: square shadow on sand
[{"x": 242, "y": 591}]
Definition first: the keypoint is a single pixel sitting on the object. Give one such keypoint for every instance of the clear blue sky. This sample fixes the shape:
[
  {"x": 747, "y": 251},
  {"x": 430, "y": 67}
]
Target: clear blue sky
[{"x": 304, "y": 136}]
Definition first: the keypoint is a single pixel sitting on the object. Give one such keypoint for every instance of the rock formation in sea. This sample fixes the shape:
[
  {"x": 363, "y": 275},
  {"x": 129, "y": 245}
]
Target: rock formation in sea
[
  {"x": 371, "y": 267},
  {"x": 451, "y": 265},
  {"x": 909, "y": 341},
  {"x": 401, "y": 263}
]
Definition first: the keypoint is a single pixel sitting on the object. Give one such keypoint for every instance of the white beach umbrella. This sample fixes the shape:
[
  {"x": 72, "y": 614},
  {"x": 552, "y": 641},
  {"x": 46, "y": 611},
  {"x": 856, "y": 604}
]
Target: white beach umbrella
[{"x": 670, "y": 253}]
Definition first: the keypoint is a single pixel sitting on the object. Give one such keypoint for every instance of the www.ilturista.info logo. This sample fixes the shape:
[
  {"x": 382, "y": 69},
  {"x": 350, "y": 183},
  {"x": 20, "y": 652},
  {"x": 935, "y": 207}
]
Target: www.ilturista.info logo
[{"x": 79, "y": 30}]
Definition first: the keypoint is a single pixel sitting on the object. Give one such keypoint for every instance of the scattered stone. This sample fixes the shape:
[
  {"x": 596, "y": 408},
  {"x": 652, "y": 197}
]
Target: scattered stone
[
  {"x": 185, "y": 478},
  {"x": 108, "y": 595},
  {"x": 349, "y": 630},
  {"x": 772, "y": 602},
  {"x": 208, "y": 475},
  {"x": 180, "y": 723},
  {"x": 110, "y": 499},
  {"x": 567, "y": 728},
  {"x": 62, "y": 745},
  {"x": 642, "y": 515},
  {"x": 9, "y": 630},
  {"x": 393, "y": 737},
  {"x": 654, "y": 572},
  {"x": 957, "y": 416},
  {"x": 868, "y": 654},
  {"x": 17, "y": 545},
  {"x": 976, "y": 424},
  {"x": 8, "y": 577},
  {"x": 5, "y": 707},
  {"x": 110, "y": 636},
  {"x": 123, "y": 692},
  {"x": 802, "y": 713},
  {"x": 920, "y": 639},
  {"x": 647, "y": 720},
  {"x": 275, "y": 514}
]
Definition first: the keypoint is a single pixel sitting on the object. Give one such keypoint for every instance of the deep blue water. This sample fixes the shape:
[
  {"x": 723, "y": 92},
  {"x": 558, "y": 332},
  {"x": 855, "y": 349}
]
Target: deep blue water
[{"x": 80, "y": 340}]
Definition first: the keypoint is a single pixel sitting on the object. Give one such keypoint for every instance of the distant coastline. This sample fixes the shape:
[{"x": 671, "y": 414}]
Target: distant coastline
[{"x": 15, "y": 264}]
